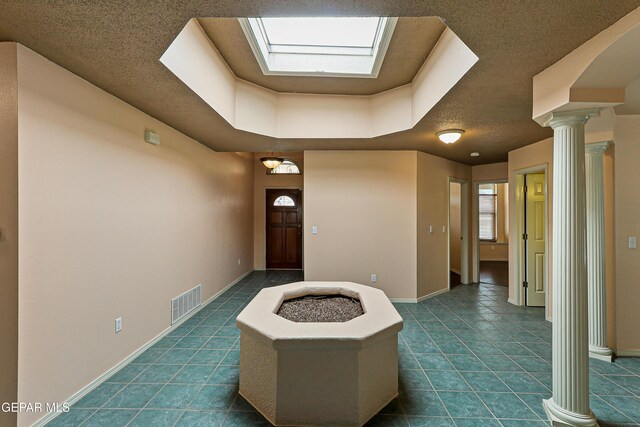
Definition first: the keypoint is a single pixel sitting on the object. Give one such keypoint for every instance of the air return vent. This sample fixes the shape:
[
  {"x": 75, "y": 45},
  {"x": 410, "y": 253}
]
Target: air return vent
[{"x": 185, "y": 303}]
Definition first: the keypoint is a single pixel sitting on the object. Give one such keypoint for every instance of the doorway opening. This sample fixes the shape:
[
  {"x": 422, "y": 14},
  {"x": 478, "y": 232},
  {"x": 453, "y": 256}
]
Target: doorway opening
[
  {"x": 284, "y": 229},
  {"x": 532, "y": 230},
  {"x": 492, "y": 262},
  {"x": 458, "y": 232}
]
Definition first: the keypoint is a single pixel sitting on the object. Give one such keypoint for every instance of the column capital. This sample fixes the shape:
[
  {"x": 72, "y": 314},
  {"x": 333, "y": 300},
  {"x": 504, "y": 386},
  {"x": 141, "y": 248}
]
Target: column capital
[
  {"x": 575, "y": 117},
  {"x": 597, "y": 147}
]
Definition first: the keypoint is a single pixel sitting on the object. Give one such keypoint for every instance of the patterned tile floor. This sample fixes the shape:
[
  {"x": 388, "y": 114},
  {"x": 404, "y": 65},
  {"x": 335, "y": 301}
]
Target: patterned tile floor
[{"x": 467, "y": 358}]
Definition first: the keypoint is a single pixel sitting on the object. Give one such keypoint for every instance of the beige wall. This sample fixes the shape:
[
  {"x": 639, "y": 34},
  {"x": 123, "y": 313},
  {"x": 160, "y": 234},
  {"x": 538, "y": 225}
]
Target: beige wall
[
  {"x": 627, "y": 223},
  {"x": 433, "y": 206},
  {"x": 262, "y": 181},
  {"x": 454, "y": 227},
  {"x": 112, "y": 226},
  {"x": 8, "y": 229},
  {"x": 364, "y": 205}
]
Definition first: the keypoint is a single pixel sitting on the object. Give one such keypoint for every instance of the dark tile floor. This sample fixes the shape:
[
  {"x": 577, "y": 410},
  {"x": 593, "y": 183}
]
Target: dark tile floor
[
  {"x": 494, "y": 272},
  {"x": 467, "y": 358}
]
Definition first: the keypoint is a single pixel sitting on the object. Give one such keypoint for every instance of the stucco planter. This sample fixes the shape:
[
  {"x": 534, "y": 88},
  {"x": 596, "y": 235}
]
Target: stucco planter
[{"x": 338, "y": 374}]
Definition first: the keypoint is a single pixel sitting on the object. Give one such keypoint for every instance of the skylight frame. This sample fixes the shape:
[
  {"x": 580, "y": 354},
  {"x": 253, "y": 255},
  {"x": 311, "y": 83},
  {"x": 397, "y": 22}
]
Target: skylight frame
[{"x": 318, "y": 61}]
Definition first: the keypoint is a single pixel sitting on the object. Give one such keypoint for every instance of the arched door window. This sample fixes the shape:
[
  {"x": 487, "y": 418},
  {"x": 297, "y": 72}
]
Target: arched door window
[{"x": 284, "y": 201}]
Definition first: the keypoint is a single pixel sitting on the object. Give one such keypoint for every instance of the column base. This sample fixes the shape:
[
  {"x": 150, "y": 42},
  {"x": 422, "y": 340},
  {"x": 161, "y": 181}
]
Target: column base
[
  {"x": 601, "y": 353},
  {"x": 561, "y": 417}
]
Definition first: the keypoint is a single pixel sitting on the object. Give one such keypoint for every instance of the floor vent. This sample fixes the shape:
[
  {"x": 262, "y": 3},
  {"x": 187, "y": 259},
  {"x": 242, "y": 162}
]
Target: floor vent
[{"x": 185, "y": 303}]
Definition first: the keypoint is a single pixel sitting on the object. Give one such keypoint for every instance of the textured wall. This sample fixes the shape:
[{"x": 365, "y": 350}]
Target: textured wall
[
  {"x": 8, "y": 228},
  {"x": 433, "y": 206},
  {"x": 112, "y": 226},
  {"x": 364, "y": 205},
  {"x": 627, "y": 223}
]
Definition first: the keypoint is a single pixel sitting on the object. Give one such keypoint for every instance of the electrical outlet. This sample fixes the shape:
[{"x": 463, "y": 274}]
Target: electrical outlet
[
  {"x": 314, "y": 229},
  {"x": 118, "y": 324},
  {"x": 633, "y": 244},
  {"x": 431, "y": 229},
  {"x": 238, "y": 261},
  {"x": 374, "y": 278},
  {"x": 444, "y": 228}
]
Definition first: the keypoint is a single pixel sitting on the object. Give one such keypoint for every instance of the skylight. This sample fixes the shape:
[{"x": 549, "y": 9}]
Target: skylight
[{"x": 330, "y": 47}]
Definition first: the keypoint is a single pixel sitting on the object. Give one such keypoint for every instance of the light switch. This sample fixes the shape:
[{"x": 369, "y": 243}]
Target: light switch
[
  {"x": 633, "y": 244},
  {"x": 431, "y": 229},
  {"x": 444, "y": 228},
  {"x": 314, "y": 229}
]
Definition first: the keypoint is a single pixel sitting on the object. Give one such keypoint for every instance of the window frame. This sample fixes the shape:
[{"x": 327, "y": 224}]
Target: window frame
[
  {"x": 354, "y": 61},
  {"x": 494, "y": 213}
]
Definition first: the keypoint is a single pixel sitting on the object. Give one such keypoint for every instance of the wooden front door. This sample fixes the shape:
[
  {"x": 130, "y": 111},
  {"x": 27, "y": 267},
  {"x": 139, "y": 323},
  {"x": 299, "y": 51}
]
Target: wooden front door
[{"x": 284, "y": 229}]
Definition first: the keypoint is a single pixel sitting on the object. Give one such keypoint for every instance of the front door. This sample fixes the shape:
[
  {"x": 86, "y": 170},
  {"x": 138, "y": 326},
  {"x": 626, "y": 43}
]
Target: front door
[
  {"x": 284, "y": 229},
  {"x": 535, "y": 224}
]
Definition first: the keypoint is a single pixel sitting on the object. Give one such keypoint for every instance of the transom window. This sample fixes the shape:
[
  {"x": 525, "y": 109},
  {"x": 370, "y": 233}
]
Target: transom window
[
  {"x": 488, "y": 209},
  {"x": 284, "y": 201},
  {"x": 287, "y": 167},
  {"x": 319, "y": 46}
]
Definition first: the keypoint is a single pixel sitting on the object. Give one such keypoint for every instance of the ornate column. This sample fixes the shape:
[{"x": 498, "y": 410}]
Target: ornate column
[
  {"x": 596, "y": 276},
  {"x": 569, "y": 405}
]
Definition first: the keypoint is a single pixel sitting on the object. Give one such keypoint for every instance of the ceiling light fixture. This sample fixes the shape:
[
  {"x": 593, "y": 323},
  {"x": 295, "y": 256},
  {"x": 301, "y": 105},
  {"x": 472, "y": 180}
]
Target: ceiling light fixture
[
  {"x": 475, "y": 154},
  {"x": 450, "y": 136},
  {"x": 271, "y": 162}
]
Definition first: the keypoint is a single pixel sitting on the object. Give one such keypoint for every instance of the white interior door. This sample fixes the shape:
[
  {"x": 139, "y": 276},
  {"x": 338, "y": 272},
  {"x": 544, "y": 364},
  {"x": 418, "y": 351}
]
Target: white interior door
[{"x": 535, "y": 245}]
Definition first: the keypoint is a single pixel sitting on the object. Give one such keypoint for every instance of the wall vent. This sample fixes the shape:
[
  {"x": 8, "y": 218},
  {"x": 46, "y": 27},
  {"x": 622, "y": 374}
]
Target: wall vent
[{"x": 185, "y": 303}]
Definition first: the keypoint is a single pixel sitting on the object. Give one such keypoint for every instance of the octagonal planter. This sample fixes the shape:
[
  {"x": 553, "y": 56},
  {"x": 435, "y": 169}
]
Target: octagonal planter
[{"x": 338, "y": 374}]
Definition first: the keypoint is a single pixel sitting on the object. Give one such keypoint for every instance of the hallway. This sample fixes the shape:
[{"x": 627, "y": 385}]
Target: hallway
[{"x": 467, "y": 358}]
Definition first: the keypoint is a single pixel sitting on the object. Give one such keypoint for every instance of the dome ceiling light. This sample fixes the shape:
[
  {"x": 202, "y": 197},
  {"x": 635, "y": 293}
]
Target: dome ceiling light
[
  {"x": 271, "y": 162},
  {"x": 450, "y": 136}
]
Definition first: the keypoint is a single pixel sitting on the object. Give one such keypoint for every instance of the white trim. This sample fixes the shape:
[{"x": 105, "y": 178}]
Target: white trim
[
  {"x": 464, "y": 230},
  {"x": 495, "y": 259},
  {"x": 433, "y": 294},
  {"x": 417, "y": 300},
  {"x": 404, "y": 300},
  {"x": 628, "y": 352},
  {"x": 124, "y": 362},
  {"x": 513, "y": 301},
  {"x": 475, "y": 218},
  {"x": 455, "y": 271},
  {"x": 515, "y": 223},
  {"x": 261, "y": 49}
]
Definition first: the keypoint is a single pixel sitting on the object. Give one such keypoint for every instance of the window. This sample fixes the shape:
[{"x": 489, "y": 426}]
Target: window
[
  {"x": 325, "y": 46},
  {"x": 488, "y": 212},
  {"x": 284, "y": 201},
  {"x": 288, "y": 167}
]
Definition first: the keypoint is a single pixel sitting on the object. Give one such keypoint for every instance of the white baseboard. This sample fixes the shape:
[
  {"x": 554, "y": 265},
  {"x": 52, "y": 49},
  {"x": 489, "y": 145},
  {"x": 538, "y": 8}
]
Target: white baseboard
[
  {"x": 403, "y": 300},
  {"x": 95, "y": 383},
  {"x": 416, "y": 300},
  {"x": 512, "y": 301},
  {"x": 495, "y": 259},
  {"x": 456, "y": 271},
  {"x": 433, "y": 294},
  {"x": 627, "y": 352}
]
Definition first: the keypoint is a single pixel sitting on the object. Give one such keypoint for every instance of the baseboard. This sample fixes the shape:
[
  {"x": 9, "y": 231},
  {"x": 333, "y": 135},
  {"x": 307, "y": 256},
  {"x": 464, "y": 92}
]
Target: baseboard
[
  {"x": 433, "y": 294},
  {"x": 403, "y": 300},
  {"x": 627, "y": 352},
  {"x": 512, "y": 301},
  {"x": 95, "y": 383},
  {"x": 456, "y": 271},
  {"x": 495, "y": 259}
]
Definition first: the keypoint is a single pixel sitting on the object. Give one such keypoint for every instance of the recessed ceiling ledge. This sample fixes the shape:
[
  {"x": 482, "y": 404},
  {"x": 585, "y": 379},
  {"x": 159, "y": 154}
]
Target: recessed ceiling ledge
[{"x": 193, "y": 58}]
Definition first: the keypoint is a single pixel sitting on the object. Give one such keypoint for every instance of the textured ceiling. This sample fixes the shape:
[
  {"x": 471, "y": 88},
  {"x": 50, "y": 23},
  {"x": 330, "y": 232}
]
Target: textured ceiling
[
  {"x": 412, "y": 41},
  {"x": 116, "y": 46}
]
